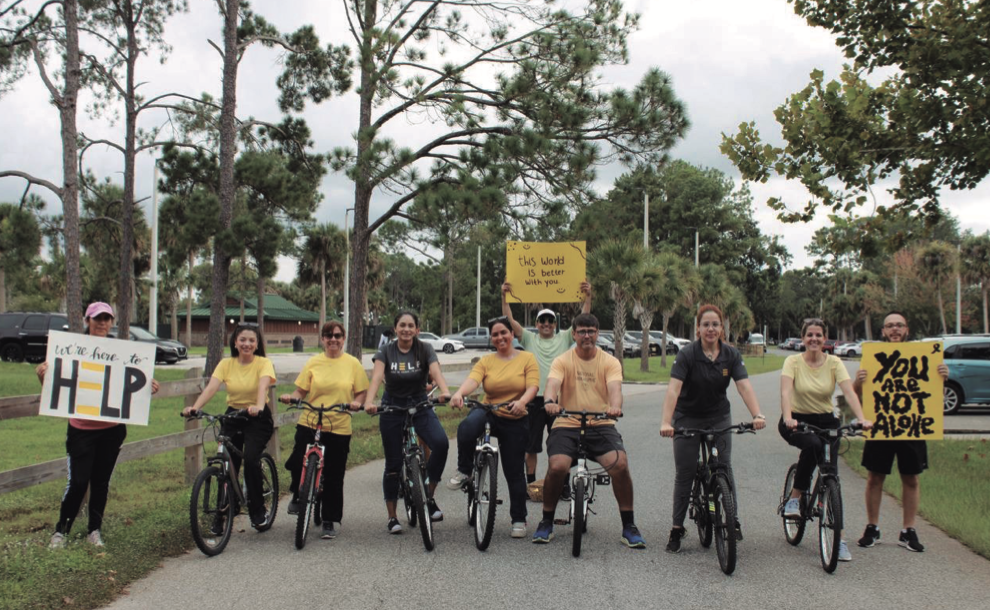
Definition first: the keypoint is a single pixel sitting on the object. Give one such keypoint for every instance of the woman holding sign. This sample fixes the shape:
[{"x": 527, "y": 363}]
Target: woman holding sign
[
  {"x": 806, "y": 387},
  {"x": 248, "y": 375},
  {"x": 92, "y": 448}
]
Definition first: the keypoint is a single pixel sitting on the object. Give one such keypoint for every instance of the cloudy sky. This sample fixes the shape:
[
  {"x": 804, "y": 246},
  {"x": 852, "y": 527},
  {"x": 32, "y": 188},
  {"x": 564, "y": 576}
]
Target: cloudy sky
[{"x": 731, "y": 62}]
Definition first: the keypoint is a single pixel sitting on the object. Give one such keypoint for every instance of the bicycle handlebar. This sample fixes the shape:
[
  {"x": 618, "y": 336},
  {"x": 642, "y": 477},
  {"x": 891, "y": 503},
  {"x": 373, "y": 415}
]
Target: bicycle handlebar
[
  {"x": 852, "y": 429},
  {"x": 740, "y": 428},
  {"x": 239, "y": 414},
  {"x": 302, "y": 405},
  {"x": 428, "y": 403},
  {"x": 597, "y": 415}
]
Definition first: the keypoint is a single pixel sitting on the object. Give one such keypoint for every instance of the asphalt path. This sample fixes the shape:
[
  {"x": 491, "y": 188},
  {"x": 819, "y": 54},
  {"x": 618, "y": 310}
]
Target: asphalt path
[{"x": 364, "y": 567}]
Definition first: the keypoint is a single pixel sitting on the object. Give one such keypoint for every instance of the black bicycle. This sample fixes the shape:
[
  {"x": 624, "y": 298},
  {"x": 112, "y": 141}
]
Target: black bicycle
[
  {"x": 713, "y": 504},
  {"x": 311, "y": 478},
  {"x": 583, "y": 480},
  {"x": 218, "y": 495},
  {"x": 482, "y": 486},
  {"x": 413, "y": 477},
  {"x": 823, "y": 501}
]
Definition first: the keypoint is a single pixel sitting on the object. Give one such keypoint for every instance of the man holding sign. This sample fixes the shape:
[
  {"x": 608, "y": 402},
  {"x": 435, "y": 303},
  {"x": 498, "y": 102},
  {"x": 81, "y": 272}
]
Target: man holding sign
[
  {"x": 878, "y": 455},
  {"x": 546, "y": 344}
]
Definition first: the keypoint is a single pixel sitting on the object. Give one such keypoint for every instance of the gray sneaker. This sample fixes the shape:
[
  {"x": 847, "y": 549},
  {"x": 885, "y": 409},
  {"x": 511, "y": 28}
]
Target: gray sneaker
[
  {"x": 57, "y": 541},
  {"x": 844, "y": 554},
  {"x": 329, "y": 533},
  {"x": 94, "y": 538}
]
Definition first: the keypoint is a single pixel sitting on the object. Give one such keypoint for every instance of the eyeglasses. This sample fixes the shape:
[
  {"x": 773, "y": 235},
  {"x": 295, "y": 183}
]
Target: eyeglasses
[
  {"x": 814, "y": 322},
  {"x": 586, "y": 332},
  {"x": 546, "y": 320},
  {"x": 894, "y": 325},
  {"x": 334, "y": 336}
]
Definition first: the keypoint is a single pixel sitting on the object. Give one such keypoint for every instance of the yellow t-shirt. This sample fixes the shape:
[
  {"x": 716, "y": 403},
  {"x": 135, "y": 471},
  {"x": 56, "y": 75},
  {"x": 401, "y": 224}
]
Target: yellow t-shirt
[
  {"x": 584, "y": 385},
  {"x": 813, "y": 388},
  {"x": 242, "y": 379},
  {"x": 506, "y": 380},
  {"x": 331, "y": 381}
]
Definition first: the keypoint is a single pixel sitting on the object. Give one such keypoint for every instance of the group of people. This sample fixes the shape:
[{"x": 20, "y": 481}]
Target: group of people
[{"x": 557, "y": 370}]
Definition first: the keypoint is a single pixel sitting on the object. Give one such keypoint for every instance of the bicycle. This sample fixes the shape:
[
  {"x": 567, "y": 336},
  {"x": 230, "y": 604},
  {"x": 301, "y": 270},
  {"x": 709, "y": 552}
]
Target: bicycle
[
  {"x": 713, "y": 504},
  {"x": 823, "y": 501},
  {"x": 481, "y": 486},
  {"x": 412, "y": 477},
  {"x": 583, "y": 480},
  {"x": 311, "y": 478},
  {"x": 217, "y": 493}
]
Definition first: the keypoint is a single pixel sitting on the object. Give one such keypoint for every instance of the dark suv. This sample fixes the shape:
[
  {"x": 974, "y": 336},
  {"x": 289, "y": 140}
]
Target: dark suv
[
  {"x": 168, "y": 351},
  {"x": 24, "y": 335}
]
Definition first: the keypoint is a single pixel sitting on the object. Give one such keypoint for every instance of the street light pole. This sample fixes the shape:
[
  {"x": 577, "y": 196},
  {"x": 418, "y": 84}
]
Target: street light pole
[{"x": 347, "y": 269}]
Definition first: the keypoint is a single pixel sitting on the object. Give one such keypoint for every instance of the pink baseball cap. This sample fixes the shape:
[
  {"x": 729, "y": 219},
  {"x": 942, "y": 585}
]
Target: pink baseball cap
[{"x": 97, "y": 308}]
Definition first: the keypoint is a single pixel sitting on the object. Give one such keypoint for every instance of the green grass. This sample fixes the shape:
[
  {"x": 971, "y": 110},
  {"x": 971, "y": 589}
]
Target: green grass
[
  {"x": 200, "y": 350},
  {"x": 658, "y": 374},
  {"x": 955, "y": 490},
  {"x": 147, "y": 513}
]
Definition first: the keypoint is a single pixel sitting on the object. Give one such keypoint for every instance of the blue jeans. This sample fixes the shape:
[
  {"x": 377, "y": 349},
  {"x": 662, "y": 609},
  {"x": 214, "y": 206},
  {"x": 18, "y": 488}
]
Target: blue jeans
[
  {"x": 428, "y": 428},
  {"x": 513, "y": 436}
]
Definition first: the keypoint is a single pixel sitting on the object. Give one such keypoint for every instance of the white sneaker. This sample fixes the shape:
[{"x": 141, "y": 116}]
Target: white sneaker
[
  {"x": 793, "y": 508},
  {"x": 844, "y": 554},
  {"x": 94, "y": 538},
  {"x": 518, "y": 529},
  {"x": 457, "y": 481},
  {"x": 57, "y": 541}
]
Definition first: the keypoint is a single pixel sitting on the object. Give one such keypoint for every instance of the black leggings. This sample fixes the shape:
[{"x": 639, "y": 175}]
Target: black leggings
[
  {"x": 92, "y": 455},
  {"x": 335, "y": 450},
  {"x": 812, "y": 446},
  {"x": 251, "y": 436}
]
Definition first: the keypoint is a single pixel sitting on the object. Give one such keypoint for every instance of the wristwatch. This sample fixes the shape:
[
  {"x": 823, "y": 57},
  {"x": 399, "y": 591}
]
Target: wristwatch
[{"x": 759, "y": 416}]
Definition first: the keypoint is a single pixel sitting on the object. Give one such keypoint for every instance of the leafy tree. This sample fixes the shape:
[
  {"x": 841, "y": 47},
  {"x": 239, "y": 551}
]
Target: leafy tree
[
  {"x": 322, "y": 260},
  {"x": 925, "y": 123},
  {"x": 20, "y": 241},
  {"x": 645, "y": 293},
  {"x": 975, "y": 265},
  {"x": 938, "y": 260},
  {"x": 521, "y": 96},
  {"x": 620, "y": 266},
  {"x": 679, "y": 284}
]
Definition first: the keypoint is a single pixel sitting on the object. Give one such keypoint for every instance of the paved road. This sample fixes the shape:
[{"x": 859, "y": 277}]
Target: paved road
[{"x": 367, "y": 568}]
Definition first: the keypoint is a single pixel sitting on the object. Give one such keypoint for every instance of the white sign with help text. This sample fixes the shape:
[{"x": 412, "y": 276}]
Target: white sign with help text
[{"x": 98, "y": 379}]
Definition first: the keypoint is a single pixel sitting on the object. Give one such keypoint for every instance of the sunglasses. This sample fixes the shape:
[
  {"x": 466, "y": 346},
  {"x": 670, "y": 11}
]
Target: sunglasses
[
  {"x": 546, "y": 320},
  {"x": 334, "y": 336},
  {"x": 499, "y": 319}
]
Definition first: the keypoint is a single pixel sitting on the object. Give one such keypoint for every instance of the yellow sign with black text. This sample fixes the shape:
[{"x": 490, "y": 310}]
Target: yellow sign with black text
[
  {"x": 545, "y": 272},
  {"x": 902, "y": 393}
]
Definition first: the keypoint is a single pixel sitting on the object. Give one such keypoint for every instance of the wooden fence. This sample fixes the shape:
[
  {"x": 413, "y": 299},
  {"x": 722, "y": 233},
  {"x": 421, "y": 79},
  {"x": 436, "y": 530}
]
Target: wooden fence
[{"x": 190, "y": 439}]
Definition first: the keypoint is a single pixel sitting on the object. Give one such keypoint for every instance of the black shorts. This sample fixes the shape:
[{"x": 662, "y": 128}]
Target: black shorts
[
  {"x": 600, "y": 440},
  {"x": 912, "y": 456},
  {"x": 538, "y": 421}
]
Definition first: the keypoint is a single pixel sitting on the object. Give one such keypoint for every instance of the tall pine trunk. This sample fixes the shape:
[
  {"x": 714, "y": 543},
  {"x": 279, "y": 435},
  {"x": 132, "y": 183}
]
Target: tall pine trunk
[{"x": 67, "y": 104}]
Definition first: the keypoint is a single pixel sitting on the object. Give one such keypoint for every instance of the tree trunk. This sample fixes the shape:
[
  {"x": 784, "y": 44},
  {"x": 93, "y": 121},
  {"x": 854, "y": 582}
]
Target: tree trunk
[
  {"x": 228, "y": 150},
  {"x": 261, "y": 305},
  {"x": 127, "y": 206},
  {"x": 70, "y": 174},
  {"x": 619, "y": 324},
  {"x": 3, "y": 291},
  {"x": 869, "y": 327},
  {"x": 986, "y": 320},
  {"x": 645, "y": 319},
  {"x": 242, "y": 283},
  {"x": 189, "y": 298},
  {"x": 663, "y": 344},
  {"x": 323, "y": 292},
  {"x": 941, "y": 309}
]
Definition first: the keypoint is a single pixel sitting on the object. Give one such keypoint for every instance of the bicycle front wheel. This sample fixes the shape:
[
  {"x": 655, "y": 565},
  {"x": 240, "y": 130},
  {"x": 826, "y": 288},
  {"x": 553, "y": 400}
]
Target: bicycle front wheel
[
  {"x": 486, "y": 498},
  {"x": 307, "y": 499},
  {"x": 269, "y": 491},
  {"x": 830, "y": 525},
  {"x": 211, "y": 514},
  {"x": 407, "y": 500},
  {"x": 579, "y": 500},
  {"x": 725, "y": 524},
  {"x": 417, "y": 490},
  {"x": 699, "y": 511},
  {"x": 793, "y": 526}
]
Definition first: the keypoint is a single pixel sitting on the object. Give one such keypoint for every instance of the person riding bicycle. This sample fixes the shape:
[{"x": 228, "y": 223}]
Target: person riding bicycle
[
  {"x": 878, "y": 457},
  {"x": 806, "y": 387},
  {"x": 696, "y": 398},
  {"x": 405, "y": 365},
  {"x": 92, "y": 448},
  {"x": 506, "y": 375},
  {"x": 333, "y": 377},
  {"x": 248, "y": 374},
  {"x": 546, "y": 344},
  {"x": 586, "y": 378}
]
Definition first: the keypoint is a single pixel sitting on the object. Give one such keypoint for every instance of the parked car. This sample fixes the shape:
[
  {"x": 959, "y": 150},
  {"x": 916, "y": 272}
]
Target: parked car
[
  {"x": 828, "y": 347},
  {"x": 671, "y": 340},
  {"x": 605, "y": 344},
  {"x": 968, "y": 359},
  {"x": 791, "y": 343},
  {"x": 168, "y": 351},
  {"x": 475, "y": 337},
  {"x": 24, "y": 335},
  {"x": 849, "y": 349},
  {"x": 756, "y": 339},
  {"x": 654, "y": 344},
  {"x": 447, "y": 346}
]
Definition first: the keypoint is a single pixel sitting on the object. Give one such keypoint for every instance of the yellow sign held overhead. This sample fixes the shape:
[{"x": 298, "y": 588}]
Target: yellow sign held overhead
[
  {"x": 902, "y": 393},
  {"x": 545, "y": 272}
]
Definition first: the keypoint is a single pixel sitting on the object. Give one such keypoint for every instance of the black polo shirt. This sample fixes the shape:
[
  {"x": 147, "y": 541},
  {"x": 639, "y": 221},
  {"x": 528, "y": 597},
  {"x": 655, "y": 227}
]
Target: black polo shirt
[{"x": 705, "y": 381}]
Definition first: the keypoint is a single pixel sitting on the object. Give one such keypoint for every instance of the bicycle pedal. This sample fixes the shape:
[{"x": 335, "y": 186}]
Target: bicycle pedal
[
  {"x": 498, "y": 502},
  {"x": 603, "y": 479},
  {"x": 561, "y": 521}
]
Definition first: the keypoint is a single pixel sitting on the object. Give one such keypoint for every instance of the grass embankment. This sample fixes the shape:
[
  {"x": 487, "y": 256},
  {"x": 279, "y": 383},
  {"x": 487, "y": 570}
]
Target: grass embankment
[
  {"x": 147, "y": 514},
  {"x": 658, "y": 374},
  {"x": 955, "y": 490}
]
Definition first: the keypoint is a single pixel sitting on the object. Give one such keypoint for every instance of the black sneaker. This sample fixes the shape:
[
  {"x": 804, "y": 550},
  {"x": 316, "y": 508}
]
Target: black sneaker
[
  {"x": 870, "y": 536},
  {"x": 259, "y": 520},
  {"x": 435, "y": 513},
  {"x": 674, "y": 542},
  {"x": 293, "y": 506},
  {"x": 394, "y": 527},
  {"x": 909, "y": 540},
  {"x": 328, "y": 532}
]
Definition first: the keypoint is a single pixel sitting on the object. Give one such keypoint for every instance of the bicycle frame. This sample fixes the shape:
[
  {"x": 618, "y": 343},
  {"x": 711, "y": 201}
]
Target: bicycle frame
[{"x": 580, "y": 470}]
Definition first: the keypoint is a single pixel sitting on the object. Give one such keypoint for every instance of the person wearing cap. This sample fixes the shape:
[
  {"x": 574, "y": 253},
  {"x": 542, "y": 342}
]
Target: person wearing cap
[
  {"x": 92, "y": 448},
  {"x": 546, "y": 344}
]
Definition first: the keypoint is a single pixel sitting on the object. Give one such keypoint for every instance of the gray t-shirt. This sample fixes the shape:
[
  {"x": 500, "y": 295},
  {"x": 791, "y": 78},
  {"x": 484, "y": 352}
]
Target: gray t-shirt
[
  {"x": 546, "y": 350},
  {"x": 406, "y": 374}
]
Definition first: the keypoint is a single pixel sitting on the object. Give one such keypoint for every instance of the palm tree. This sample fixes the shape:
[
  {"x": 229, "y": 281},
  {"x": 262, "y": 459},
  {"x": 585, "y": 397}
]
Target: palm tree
[
  {"x": 938, "y": 260},
  {"x": 976, "y": 267},
  {"x": 677, "y": 287},
  {"x": 322, "y": 258},
  {"x": 618, "y": 265},
  {"x": 738, "y": 315},
  {"x": 644, "y": 294}
]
